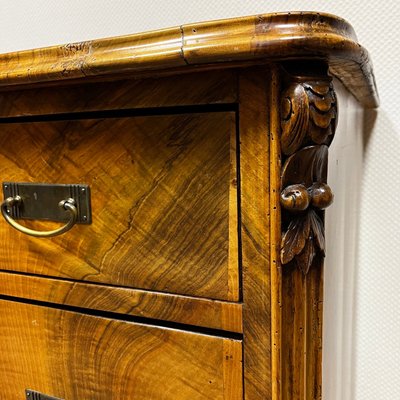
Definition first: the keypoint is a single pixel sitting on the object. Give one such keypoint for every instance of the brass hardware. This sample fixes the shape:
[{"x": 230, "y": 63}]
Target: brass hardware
[
  {"x": 42, "y": 202},
  {"x": 33, "y": 395},
  {"x": 68, "y": 205}
]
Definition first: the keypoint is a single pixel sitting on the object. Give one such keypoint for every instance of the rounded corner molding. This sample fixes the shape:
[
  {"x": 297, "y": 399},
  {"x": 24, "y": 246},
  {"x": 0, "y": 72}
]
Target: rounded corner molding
[{"x": 245, "y": 40}]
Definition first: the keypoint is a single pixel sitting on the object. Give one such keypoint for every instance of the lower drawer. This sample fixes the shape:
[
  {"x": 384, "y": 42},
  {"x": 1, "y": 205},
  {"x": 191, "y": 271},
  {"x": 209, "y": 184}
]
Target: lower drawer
[{"x": 76, "y": 356}]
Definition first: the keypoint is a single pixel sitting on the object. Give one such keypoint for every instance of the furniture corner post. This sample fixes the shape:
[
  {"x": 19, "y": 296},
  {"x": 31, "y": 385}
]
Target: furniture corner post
[{"x": 307, "y": 119}]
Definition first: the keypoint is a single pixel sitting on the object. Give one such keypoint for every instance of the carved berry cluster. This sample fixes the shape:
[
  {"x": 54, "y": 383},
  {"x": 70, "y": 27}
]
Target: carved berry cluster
[{"x": 296, "y": 198}]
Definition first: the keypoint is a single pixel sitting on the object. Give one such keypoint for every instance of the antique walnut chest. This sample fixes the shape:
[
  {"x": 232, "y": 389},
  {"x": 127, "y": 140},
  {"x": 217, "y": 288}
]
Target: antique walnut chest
[{"x": 164, "y": 194}]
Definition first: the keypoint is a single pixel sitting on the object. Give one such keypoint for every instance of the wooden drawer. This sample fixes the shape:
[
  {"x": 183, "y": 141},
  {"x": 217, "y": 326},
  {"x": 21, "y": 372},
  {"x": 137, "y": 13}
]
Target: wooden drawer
[
  {"x": 76, "y": 356},
  {"x": 164, "y": 201}
]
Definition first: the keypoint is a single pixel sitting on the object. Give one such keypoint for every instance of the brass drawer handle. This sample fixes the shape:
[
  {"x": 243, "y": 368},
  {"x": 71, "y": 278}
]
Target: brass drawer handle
[{"x": 68, "y": 205}]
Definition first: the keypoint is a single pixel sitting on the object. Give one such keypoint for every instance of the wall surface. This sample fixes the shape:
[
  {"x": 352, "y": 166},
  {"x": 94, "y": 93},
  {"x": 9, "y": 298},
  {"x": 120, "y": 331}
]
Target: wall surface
[
  {"x": 345, "y": 172},
  {"x": 362, "y": 328}
]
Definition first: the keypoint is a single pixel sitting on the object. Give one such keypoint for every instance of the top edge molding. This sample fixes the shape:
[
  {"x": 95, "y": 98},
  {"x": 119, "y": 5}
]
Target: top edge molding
[{"x": 259, "y": 38}]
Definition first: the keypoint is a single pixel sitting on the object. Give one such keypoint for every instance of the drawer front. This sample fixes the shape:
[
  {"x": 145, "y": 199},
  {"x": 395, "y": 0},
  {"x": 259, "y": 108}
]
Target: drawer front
[
  {"x": 164, "y": 201},
  {"x": 80, "y": 357}
]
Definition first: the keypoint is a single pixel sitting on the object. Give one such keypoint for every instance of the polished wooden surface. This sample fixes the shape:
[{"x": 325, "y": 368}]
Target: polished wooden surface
[
  {"x": 250, "y": 39},
  {"x": 162, "y": 189},
  {"x": 203, "y": 88},
  {"x": 196, "y": 311},
  {"x": 254, "y": 195},
  {"x": 275, "y": 234},
  {"x": 308, "y": 123},
  {"x": 77, "y": 356}
]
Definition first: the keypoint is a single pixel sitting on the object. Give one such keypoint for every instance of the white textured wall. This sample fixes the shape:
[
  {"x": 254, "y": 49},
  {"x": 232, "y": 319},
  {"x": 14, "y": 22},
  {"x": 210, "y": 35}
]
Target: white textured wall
[
  {"x": 342, "y": 221},
  {"x": 369, "y": 301}
]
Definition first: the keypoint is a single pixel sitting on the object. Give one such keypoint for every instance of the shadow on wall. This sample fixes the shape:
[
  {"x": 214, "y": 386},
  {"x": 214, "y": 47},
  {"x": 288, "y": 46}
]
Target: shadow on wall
[
  {"x": 369, "y": 121},
  {"x": 362, "y": 271},
  {"x": 377, "y": 282},
  {"x": 345, "y": 171}
]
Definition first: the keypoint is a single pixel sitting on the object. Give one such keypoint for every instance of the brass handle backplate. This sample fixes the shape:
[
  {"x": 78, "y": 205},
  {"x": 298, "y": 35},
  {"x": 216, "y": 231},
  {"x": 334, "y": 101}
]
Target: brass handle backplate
[{"x": 63, "y": 203}]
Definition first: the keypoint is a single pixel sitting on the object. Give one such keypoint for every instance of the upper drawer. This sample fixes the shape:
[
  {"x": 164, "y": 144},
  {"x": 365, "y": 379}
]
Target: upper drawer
[{"x": 164, "y": 201}]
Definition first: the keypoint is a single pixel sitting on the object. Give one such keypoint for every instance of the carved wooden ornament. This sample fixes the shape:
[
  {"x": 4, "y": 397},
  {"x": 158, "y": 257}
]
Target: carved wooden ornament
[{"x": 308, "y": 122}]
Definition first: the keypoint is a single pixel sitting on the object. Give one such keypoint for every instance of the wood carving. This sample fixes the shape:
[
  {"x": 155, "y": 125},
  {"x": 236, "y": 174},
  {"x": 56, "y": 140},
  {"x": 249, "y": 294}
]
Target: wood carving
[{"x": 308, "y": 122}]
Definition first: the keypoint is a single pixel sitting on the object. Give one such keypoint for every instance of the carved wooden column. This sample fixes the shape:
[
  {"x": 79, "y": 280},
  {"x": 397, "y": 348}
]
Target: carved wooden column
[{"x": 308, "y": 116}]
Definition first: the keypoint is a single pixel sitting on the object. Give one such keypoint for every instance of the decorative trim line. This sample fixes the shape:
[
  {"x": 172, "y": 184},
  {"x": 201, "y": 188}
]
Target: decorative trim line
[{"x": 308, "y": 122}]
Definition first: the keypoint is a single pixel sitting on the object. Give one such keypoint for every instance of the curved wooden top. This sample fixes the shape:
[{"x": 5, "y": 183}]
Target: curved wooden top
[{"x": 260, "y": 38}]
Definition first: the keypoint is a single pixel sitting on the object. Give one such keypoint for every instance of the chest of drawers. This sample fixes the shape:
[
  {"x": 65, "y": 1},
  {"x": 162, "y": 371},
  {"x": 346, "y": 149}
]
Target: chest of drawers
[{"x": 204, "y": 148}]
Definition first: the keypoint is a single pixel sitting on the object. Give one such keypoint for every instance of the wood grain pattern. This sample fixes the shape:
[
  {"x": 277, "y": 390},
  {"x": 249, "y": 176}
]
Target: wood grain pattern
[
  {"x": 96, "y": 57},
  {"x": 275, "y": 234},
  {"x": 254, "y": 189},
  {"x": 314, "y": 305},
  {"x": 75, "y": 356},
  {"x": 161, "y": 189},
  {"x": 294, "y": 350},
  {"x": 253, "y": 39},
  {"x": 194, "y": 311},
  {"x": 302, "y": 332},
  {"x": 309, "y": 117},
  {"x": 181, "y": 90}
]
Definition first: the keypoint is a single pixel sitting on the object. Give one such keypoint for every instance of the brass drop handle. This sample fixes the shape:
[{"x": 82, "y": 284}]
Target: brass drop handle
[{"x": 68, "y": 205}]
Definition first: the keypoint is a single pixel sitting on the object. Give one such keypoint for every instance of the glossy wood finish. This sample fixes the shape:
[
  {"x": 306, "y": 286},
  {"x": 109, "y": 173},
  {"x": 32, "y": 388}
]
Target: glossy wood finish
[
  {"x": 77, "y": 356},
  {"x": 302, "y": 307},
  {"x": 196, "y": 311},
  {"x": 163, "y": 194},
  {"x": 308, "y": 121},
  {"x": 275, "y": 234},
  {"x": 219, "y": 87},
  {"x": 254, "y": 189},
  {"x": 248, "y": 39}
]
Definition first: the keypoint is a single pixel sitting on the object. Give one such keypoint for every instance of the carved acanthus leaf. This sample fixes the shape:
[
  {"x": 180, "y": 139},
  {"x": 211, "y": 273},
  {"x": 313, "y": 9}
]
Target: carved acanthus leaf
[
  {"x": 309, "y": 114},
  {"x": 294, "y": 240},
  {"x": 306, "y": 166},
  {"x": 303, "y": 239},
  {"x": 317, "y": 227},
  {"x": 308, "y": 122},
  {"x": 320, "y": 88},
  {"x": 321, "y": 103},
  {"x": 306, "y": 257},
  {"x": 295, "y": 118}
]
